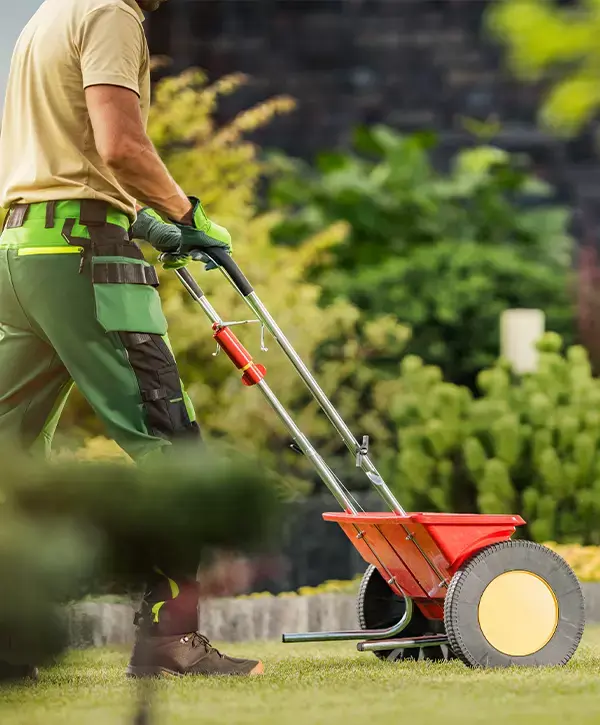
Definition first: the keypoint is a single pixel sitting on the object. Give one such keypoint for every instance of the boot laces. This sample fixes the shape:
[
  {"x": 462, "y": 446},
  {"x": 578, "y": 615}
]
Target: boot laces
[{"x": 199, "y": 640}]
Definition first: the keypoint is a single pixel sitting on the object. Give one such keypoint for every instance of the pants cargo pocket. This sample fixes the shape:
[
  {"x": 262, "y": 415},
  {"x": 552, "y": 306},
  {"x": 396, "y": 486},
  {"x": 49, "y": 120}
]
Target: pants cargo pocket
[
  {"x": 160, "y": 386},
  {"x": 126, "y": 297}
]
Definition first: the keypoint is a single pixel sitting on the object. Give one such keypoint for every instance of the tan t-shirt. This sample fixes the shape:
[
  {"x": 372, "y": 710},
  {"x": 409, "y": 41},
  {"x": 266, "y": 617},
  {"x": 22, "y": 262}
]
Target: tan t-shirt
[{"x": 47, "y": 148}]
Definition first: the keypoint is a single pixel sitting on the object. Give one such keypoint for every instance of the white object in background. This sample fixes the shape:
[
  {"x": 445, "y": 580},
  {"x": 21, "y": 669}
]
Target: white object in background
[{"x": 520, "y": 330}]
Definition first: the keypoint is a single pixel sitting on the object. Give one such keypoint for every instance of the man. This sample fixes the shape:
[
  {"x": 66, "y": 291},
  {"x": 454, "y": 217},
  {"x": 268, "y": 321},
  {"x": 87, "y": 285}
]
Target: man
[{"x": 78, "y": 303}]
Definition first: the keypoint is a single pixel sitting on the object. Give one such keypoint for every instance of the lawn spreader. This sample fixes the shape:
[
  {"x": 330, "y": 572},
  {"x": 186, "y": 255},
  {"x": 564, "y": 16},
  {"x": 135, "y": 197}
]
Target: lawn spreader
[{"x": 438, "y": 585}]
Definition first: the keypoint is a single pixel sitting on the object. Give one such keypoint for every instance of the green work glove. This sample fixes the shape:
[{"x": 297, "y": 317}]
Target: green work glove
[
  {"x": 177, "y": 261},
  {"x": 174, "y": 261},
  {"x": 203, "y": 234},
  {"x": 150, "y": 227}
]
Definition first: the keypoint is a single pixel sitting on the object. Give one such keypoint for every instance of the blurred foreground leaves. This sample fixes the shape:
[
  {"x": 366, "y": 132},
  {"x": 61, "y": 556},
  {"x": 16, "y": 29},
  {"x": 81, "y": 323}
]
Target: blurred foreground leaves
[{"x": 72, "y": 528}]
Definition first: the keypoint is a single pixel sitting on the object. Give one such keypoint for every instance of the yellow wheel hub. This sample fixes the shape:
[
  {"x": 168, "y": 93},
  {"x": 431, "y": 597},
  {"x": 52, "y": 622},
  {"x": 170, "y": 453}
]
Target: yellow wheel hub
[{"x": 518, "y": 613}]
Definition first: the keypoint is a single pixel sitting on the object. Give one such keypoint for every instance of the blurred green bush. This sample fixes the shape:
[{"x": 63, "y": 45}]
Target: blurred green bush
[
  {"x": 528, "y": 445},
  {"x": 69, "y": 529},
  {"x": 444, "y": 253}
]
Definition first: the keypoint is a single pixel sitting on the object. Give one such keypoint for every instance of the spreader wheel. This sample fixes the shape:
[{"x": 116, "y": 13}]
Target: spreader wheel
[
  {"x": 379, "y": 608},
  {"x": 514, "y": 603}
]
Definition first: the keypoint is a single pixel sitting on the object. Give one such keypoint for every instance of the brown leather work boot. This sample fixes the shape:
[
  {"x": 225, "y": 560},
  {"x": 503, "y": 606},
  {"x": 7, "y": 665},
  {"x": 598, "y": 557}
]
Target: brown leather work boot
[{"x": 188, "y": 654}]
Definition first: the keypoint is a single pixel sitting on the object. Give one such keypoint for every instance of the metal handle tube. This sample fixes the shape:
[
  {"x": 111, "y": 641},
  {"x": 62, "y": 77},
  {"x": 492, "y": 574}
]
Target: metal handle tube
[
  {"x": 225, "y": 261},
  {"x": 239, "y": 281},
  {"x": 336, "y": 420},
  {"x": 381, "y": 645},
  {"x": 197, "y": 295},
  {"x": 350, "y": 634},
  {"x": 190, "y": 283},
  {"x": 231, "y": 270},
  {"x": 326, "y": 474}
]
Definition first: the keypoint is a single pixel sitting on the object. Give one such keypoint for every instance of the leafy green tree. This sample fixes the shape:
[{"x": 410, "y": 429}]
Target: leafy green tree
[
  {"x": 444, "y": 253},
  {"x": 559, "y": 46}
]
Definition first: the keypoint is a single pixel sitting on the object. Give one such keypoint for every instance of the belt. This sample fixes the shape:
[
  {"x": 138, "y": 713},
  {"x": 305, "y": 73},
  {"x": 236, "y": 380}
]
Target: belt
[{"x": 85, "y": 212}]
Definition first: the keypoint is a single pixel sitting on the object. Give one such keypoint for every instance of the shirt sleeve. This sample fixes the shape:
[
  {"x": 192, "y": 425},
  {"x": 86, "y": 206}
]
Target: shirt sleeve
[{"x": 112, "y": 48}]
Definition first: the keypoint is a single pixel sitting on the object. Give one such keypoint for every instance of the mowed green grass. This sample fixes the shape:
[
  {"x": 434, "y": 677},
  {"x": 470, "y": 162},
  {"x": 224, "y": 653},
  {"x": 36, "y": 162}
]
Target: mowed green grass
[{"x": 315, "y": 684}]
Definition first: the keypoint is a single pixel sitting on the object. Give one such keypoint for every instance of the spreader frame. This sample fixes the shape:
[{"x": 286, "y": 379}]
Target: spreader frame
[{"x": 417, "y": 554}]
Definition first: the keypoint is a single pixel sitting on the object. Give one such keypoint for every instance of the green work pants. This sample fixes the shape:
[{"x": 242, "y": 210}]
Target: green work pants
[{"x": 50, "y": 338}]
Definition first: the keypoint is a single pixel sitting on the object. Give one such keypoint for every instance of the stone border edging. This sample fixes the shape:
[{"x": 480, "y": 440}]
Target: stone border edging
[{"x": 94, "y": 624}]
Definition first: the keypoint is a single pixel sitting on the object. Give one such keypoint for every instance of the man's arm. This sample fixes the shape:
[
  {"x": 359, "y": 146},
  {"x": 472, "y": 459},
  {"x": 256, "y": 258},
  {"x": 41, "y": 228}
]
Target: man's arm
[{"x": 125, "y": 148}]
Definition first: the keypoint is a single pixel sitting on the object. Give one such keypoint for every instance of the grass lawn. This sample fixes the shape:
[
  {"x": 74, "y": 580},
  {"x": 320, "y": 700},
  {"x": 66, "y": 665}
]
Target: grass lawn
[{"x": 315, "y": 684}]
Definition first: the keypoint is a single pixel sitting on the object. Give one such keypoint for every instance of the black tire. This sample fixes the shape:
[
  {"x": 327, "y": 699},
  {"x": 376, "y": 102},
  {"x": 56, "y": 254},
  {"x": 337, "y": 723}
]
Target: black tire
[
  {"x": 379, "y": 607},
  {"x": 538, "y": 599}
]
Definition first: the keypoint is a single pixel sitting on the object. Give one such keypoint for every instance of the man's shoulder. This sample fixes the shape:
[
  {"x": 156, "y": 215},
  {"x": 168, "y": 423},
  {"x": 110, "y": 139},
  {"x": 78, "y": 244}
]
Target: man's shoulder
[
  {"x": 128, "y": 6},
  {"x": 80, "y": 9}
]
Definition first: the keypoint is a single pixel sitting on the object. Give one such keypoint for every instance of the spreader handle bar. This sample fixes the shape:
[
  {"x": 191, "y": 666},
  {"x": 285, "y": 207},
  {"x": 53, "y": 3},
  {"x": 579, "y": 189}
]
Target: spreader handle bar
[
  {"x": 235, "y": 276},
  {"x": 225, "y": 261},
  {"x": 327, "y": 475},
  {"x": 189, "y": 282}
]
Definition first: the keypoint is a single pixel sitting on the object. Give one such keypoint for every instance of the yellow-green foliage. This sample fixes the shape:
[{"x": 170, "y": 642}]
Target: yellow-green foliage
[
  {"x": 585, "y": 560},
  {"x": 332, "y": 586},
  {"x": 94, "y": 448},
  {"x": 216, "y": 163},
  {"x": 562, "y": 42},
  {"x": 528, "y": 445}
]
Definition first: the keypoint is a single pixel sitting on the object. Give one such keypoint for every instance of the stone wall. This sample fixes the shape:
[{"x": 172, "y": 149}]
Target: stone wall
[{"x": 236, "y": 620}]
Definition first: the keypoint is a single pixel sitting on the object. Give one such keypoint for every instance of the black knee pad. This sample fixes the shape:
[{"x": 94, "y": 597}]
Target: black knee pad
[{"x": 160, "y": 386}]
